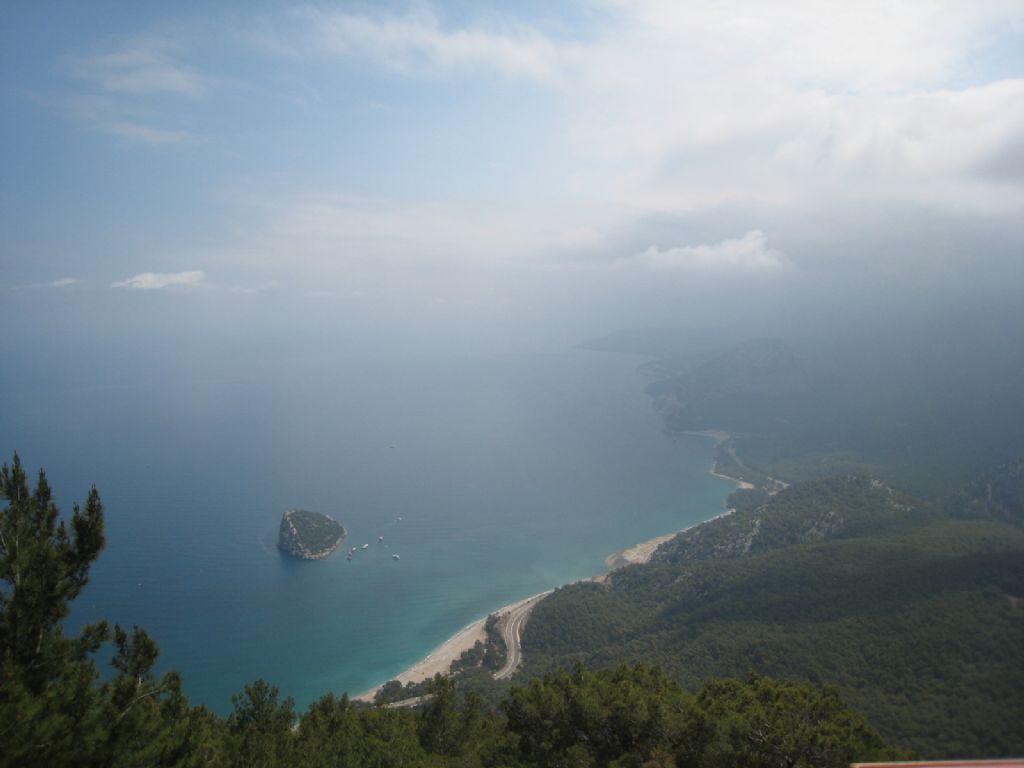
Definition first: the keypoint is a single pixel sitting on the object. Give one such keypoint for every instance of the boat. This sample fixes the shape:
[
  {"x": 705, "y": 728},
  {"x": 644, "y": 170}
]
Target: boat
[
  {"x": 365, "y": 546},
  {"x": 395, "y": 557},
  {"x": 380, "y": 538}
]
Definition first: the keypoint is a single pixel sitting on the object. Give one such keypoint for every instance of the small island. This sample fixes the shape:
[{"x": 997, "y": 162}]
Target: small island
[{"x": 309, "y": 535}]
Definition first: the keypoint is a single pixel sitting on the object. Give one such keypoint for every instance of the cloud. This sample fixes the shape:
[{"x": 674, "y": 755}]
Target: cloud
[
  {"x": 668, "y": 106},
  {"x": 749, "y": 253},
  {"x": 136, "y": 71},
  {"x": 735, "y": 113},
  {"x": 154, "y": 281},
  {"x": 254, "y": 290},
  {"x": 324, "y": 233},
  {"x": 64, "y": 282},
  {"x": 874, "y": 45},
  {"x": 416, "y": 42},
  {"x": 124, "y": 92},
  {"x": 124, "y": 121},
  {"x": 145, "y": 134}
]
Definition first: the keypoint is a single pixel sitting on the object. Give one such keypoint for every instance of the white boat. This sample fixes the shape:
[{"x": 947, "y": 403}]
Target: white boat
[
  {"x": 395, "y": 557},
  {"x": 380, "y": 538},
  {"x": 365, "y": 546}
]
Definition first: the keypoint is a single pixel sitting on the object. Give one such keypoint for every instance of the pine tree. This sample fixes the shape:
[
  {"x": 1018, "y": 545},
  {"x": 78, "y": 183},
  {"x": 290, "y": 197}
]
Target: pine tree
[
  {"x": 49, "y": 709},
  {"x": 46, "y": 567},
  {"x": 53, "y": 710}
]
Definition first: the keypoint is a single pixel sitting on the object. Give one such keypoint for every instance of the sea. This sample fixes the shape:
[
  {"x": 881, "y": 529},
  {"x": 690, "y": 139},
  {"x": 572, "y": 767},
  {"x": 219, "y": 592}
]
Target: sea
[{"x": 492, "y": 475}]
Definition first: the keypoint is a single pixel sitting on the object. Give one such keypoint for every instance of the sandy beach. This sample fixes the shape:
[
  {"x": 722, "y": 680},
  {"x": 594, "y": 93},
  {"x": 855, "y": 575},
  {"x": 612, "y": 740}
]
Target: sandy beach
[
  {"x": 740, "y": 484},
  {"x": 638, "y": 553},
  {"x": 440, "y": 659},
  {"x": 644, "y": 551}
]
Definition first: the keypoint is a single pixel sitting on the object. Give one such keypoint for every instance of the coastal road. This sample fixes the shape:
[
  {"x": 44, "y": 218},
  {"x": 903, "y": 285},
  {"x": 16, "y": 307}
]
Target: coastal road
[
  {"x": 413, "y": 702},
  {"x": 511, "y": 633}
]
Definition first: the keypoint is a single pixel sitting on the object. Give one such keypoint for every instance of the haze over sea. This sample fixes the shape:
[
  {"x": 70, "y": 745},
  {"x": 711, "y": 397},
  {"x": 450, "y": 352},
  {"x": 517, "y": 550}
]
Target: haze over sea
[{"x": 493, "y": 475}]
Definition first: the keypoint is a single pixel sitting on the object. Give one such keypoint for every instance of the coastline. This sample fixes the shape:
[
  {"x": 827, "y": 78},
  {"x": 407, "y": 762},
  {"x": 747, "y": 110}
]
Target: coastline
[
  {"x": 740, "y": 484},
  {"x": 439, "y": 660},
  {"x": 720, "y": 436}
]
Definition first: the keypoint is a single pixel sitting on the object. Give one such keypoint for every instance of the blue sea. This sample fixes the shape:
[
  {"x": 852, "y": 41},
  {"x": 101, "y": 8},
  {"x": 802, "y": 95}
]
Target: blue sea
[{"x": 493, "y": 475}]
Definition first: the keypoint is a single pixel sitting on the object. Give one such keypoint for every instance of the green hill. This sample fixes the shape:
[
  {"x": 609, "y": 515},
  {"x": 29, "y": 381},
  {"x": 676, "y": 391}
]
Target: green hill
[
  {"x": 918, "y": 619},
  {"x": 838, "y": 508}
]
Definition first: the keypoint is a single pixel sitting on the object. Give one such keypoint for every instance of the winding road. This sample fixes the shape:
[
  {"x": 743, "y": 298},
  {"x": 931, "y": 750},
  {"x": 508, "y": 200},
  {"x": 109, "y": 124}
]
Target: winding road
[{"x": 511, "y": 633}]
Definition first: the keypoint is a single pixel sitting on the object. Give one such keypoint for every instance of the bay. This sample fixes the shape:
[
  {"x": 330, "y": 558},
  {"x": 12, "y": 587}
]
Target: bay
[{"x": 493, "y": 476}]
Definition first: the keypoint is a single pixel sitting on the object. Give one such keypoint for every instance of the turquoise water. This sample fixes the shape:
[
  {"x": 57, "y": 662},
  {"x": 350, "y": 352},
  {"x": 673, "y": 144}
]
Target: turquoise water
[{"x": 493, "y": 476}]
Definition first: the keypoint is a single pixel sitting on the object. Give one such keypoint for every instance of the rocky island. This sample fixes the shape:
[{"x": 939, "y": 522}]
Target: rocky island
[{"x": 309, "y": 535}]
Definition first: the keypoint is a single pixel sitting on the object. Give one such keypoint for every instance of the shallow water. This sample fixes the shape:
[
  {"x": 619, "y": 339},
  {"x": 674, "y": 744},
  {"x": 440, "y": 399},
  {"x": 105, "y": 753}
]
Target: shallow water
[{"x": 493, "y": 476}]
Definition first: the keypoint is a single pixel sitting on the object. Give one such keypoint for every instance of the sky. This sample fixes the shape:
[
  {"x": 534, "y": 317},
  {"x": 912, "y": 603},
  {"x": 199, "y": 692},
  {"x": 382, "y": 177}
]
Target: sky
[{"x": 563, "y": 169}]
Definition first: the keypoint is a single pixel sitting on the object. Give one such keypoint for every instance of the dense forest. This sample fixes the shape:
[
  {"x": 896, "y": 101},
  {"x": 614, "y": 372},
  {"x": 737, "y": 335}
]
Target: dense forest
[
  {"x": 916, "y": 617},
  {"x": 825, "y": 571}
]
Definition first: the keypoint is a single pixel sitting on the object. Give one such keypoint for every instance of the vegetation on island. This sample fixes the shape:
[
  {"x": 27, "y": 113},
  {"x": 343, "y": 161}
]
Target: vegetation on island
[
  {"x": 309, "y": 535},
  {"x": 61, "y": 706}
]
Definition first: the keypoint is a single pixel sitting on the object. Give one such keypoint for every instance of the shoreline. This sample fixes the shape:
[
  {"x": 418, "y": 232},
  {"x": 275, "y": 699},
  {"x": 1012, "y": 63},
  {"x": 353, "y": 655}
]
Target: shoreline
[
  {"x": 741, "y": 485},
  {"x": 439, "y": 660},
  {"x": 720, "y": 436}
]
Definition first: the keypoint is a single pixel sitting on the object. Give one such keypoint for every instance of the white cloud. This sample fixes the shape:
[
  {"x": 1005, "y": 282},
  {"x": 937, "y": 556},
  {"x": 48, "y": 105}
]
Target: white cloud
[
  {"x": 335, "y": 233},
  {"x": 254, "y": 290},
  {"x": 153, "y": 281},
  {"x": 113, "y": 117},
  {"x": 64, "y": 282},
  {"x": 416, "y": 42},
  {"x": 684, "y": 107},
  {"x": 749, "y": 253},
  {"x": 145, "y": 134},
  {"x": 663, "y": 109},
  {"x": 672, "y": 106},
  {"x": 136, "y": 71},
  {"x": 123, "y": 90}
]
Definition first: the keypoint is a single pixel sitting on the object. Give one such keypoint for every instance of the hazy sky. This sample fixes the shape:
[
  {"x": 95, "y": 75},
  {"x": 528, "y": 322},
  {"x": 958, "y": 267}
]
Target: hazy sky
[{"x": 481, "y": 165}]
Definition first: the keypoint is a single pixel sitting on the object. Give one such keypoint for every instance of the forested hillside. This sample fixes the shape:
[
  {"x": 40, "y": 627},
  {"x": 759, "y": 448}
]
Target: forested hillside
[
  {"x": 838, "y": 508},
  {"x": 996, "y": 495},
  {"x": 926, "y": 409},
  {"x": 917, "y": 619}
]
